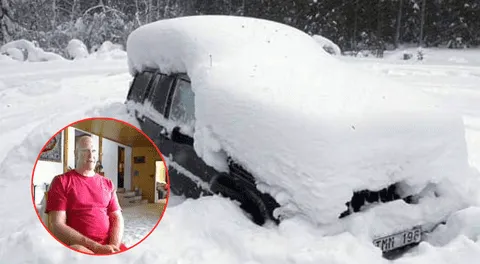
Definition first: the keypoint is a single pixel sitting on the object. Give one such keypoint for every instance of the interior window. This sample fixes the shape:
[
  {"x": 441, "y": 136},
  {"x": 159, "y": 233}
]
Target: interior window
[
  {"x": 182, "y": 110},
  {"x": 139, "y": 86}
]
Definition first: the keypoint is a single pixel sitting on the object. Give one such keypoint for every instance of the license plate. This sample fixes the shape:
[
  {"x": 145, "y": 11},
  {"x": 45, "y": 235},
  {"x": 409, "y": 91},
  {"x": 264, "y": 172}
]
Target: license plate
[{"x": 399, "y": 240}]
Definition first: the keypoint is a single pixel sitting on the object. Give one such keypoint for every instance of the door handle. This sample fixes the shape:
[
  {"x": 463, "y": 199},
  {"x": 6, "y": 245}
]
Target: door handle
[
  {"x": 141, "y": 117},
  {"x": 163, "y": 132}
]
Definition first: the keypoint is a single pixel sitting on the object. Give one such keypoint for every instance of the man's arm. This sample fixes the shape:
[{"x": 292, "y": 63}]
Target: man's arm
[
  {"x": 117, "y": 228},
  {"x": 69, "y": 235}
]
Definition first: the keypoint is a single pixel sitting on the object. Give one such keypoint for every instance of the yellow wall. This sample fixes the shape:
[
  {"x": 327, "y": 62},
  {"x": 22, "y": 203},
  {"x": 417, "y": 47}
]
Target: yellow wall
[{"x": 146, "y": 171}]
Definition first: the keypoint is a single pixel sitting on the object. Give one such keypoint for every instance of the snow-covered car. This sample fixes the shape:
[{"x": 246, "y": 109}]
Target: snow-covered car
[{"x": 259, "y": 112}]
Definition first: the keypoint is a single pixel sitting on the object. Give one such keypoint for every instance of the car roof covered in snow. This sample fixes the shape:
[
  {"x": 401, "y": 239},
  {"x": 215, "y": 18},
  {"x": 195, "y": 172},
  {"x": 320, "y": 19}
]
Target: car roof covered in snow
[
  {"x": 310, "y": 127},
  {"x": 258, "y": 53}
]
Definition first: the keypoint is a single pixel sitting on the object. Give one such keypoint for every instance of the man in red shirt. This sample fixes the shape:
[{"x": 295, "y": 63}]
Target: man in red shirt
[{"x": 83, "y": 206}]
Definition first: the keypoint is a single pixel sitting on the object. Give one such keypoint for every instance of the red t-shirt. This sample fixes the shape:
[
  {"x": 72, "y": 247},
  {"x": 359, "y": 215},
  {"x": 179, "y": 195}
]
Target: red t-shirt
[{"x": 87, "y": 201}]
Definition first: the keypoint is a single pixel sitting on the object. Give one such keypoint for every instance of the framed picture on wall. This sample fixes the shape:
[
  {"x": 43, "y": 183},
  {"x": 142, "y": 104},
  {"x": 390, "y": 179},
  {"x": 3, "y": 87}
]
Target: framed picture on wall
[
  {"x": 53, "y": 149},
  {"x": 139, "y": 159}
]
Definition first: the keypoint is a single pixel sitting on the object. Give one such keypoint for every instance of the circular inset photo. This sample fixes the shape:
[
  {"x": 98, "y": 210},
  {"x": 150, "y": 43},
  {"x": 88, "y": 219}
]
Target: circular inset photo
[{"x": 100, "y": 186}]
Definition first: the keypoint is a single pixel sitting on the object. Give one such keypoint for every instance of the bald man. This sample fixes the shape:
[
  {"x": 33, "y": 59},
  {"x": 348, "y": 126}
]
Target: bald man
[{"x": 83, "y": 206}]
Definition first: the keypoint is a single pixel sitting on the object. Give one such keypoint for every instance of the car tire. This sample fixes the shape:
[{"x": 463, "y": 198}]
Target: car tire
[{"x": 250, "y": 200}]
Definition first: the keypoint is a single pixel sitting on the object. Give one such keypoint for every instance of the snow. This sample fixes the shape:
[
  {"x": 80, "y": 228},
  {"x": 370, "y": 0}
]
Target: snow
[
  {"x": 437, "y": 56},
  {"x": 109, "y": 51},
  {"x": 212, "y": 229},
  {"x": 76, "y": 49},
  {"x": 35, "y": 54},
  {"x": 462, "y": 223},
  {"x": 328, "y": 45},
  {"x": 290, "y": 111},
  {"x": 460, "y": 250},
  {"x": 15, "y": 54},
  {"x": 109, "y": 46},
  {"x": 4, "y": 58}
]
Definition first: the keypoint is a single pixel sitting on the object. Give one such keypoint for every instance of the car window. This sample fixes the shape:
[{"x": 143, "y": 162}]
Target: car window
[
  {"x": 182, "y": 109},
  {"x": 159, "y": 93},
  {"x": 139, "y": 87}
]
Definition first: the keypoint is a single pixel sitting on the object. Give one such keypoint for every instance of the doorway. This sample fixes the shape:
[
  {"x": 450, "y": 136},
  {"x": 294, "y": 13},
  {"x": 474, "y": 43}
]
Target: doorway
[
  {"x": 121, "y": 167},
  {"x": 160, "y": 181}
]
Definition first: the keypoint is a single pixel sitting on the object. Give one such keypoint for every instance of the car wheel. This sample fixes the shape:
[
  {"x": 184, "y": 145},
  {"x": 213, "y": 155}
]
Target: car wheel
[{"x": 250, "y": 200}]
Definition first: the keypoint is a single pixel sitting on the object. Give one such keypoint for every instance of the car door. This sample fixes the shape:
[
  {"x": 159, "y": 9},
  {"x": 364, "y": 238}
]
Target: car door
[
  {"x": 192, "y": 173},
  {"x": 172, "y": 102},
  {"x": 155, "y": 103}
]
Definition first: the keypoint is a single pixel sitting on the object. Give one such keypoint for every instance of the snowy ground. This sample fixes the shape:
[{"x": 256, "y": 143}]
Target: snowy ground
[{"x": 38, "y": 99}]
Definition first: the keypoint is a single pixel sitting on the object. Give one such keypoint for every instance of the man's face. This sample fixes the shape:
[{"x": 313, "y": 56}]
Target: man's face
[{"x": 86, "y": 154}]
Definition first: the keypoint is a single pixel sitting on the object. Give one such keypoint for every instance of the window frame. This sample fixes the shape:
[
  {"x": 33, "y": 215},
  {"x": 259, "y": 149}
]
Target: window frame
[
  {"x": 178, "y": 77},
  {"x": 159, "y": 77},
  {"x": 146, "y": 89},
  {"x": 156, "y": 78}
]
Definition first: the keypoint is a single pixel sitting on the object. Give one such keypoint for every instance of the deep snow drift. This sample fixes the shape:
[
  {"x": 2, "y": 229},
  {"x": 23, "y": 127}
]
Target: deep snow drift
[{"x": 34, "y": 54}]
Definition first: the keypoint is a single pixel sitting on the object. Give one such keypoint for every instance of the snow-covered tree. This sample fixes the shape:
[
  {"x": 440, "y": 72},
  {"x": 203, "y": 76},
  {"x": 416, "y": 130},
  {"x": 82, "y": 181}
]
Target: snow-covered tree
[
  {"x": 373, "y": 25},
  {"x": 6, "y": 25}
]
